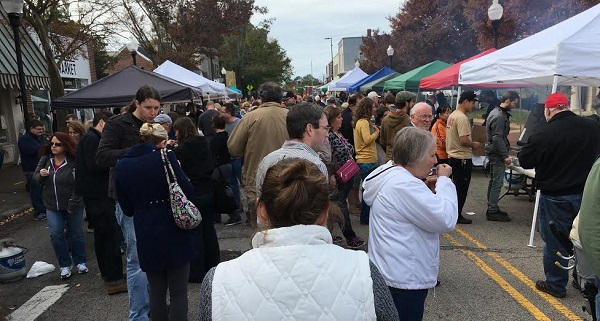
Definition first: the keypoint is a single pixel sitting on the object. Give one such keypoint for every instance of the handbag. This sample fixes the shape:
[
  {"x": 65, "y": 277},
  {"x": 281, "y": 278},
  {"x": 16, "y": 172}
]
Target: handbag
[
  {"x": 348, "y": 170},
  {"x": 224, "y": 200},
  {"x": 185, "y": 213}
]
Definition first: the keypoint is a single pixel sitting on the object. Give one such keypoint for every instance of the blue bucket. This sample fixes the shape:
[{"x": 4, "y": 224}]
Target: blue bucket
[{"x": 12, "y": 261}]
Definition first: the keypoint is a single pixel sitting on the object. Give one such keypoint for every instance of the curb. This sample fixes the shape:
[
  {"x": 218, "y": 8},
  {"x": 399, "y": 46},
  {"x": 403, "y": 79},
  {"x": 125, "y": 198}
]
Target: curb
[{"x": 14, "y": 211}]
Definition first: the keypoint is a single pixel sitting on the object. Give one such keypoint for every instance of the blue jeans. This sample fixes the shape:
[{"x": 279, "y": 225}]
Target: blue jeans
[
  {"x": 409, "y": 303},
  {"x": 365, "y": 210},
  {"x": 35, "y": 193},
  {"x": 497, "y": 168},
  {"x": 137, "y": 282},
  {"x": 74, "y": 222},
  {"x": 234, "y": 180},
  {"x": 562, "y": 210}
]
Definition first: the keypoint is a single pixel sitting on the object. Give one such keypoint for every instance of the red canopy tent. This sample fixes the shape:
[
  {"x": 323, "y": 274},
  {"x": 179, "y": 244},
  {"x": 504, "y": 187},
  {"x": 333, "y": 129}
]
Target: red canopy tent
[{"x": 449, "y": 76}]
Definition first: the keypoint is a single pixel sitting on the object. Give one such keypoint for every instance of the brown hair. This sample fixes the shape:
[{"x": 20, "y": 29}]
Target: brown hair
[
  {"x": 77, "y": 126},
  {"x": 219, "y": 122},
  {"x": 294, "y": 192},
  {"x": 68, "y": 144},
  {"x": 185, "y": 129},
  {"x": 363, "y": 110},
  {"x": 332, "y": 112}
]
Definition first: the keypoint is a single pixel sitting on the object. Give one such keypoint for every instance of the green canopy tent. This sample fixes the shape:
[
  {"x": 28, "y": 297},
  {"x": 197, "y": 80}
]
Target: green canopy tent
[{"x": 410, "y": 81}]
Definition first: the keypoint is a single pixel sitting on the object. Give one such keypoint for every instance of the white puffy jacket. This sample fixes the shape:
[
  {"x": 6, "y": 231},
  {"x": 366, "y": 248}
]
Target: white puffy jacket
[
  {"x": 294, "y": 273},
  {"x": 405, "y": 223}
]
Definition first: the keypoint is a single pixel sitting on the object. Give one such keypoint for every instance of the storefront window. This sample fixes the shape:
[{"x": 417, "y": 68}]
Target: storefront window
[{"x": 41, "y": 109}]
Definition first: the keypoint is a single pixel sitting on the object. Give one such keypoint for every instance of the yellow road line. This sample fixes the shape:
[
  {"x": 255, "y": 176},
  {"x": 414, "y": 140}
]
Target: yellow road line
[
  {"x": 522, "y": 277},
  {"x": 535, "y": 312}
]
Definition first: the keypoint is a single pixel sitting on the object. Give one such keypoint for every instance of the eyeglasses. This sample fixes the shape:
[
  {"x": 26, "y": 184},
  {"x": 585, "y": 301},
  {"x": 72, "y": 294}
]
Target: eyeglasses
[
  {"x": 426, "y": 116},
  {"x": 56, "y": 144},
  {"x": 327, "y": 128}
]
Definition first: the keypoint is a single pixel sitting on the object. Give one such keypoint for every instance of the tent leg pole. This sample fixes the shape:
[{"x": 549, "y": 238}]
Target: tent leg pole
[{"x": 555, "y": 84}]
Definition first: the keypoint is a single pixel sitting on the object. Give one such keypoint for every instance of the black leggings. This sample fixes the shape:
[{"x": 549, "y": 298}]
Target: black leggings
[{"x": 176, "y": 281}]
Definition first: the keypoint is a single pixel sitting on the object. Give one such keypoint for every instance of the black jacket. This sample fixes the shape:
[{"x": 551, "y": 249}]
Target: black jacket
[
  {"x": 29, "y": 147},
  {"x": 58, "y": 188},
  {"x": 497, "y": 129},
  {"x": 218, "y": 146},
  {"x": 91, "y": 179},
  {"x": 495, "y": 103},
  {"x": 197, "y": 163},
  {"x": 562, "y": 153},
  {"x": 120, "y": 133},
  {"x": 347, "y": 130}
]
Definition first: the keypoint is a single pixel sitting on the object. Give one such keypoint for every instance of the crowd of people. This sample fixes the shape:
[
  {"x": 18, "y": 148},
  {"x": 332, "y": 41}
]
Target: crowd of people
[{"x": 286, "y": 153}]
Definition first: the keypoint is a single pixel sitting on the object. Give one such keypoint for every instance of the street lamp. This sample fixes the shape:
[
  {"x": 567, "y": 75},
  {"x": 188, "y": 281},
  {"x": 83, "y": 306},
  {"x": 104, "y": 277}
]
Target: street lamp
[
  {"x": 14, "y": 9},
  {"x": 224, "y": 73},
  {"x": 390, "y": 53},
  {"x": 132, "y": 46},
  {"x": 331, "y": 43},
  {"x": 495, "y": 14}
]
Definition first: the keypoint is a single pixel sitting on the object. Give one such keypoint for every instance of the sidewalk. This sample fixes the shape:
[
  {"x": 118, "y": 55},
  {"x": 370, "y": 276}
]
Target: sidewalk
[{"x": 13, "y": 196}]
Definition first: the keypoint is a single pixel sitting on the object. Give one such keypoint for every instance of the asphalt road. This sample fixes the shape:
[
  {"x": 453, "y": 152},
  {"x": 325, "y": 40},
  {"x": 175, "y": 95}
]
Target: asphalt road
[{"x": 487, "y": 271}]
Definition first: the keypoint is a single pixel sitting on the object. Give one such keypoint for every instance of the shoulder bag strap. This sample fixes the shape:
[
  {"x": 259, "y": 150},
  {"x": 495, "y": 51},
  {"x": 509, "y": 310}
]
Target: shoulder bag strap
[{"x": 169, "y": 169}]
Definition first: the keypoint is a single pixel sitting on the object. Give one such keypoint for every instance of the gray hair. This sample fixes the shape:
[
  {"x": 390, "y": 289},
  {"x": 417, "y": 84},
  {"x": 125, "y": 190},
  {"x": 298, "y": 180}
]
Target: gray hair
[{"x": 411, "y": 145}]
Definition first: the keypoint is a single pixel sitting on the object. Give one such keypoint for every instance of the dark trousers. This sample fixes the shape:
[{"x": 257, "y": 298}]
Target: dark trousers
[
  {"x": 107, "y": 237},
  {"x": 175, "y": 280},
  {"x": 461, "y": 176},
  {"x": 409, "y": 303},
  {"x": 35, "y": 194},
  {"x": 205, "y": 239},
  {"x": 343, "y": 191}
]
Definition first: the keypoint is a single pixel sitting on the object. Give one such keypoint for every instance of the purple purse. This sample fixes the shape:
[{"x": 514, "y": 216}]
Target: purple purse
[{"x": 185, "y": 213}]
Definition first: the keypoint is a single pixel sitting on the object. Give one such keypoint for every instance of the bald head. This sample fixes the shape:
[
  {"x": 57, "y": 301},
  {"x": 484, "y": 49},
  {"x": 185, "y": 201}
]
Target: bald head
[{"x": 420, "y": 115}]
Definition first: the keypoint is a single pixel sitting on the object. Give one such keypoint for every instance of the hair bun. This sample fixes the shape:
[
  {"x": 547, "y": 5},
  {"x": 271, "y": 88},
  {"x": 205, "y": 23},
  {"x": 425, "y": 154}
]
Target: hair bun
[{"x": 156, "y": 130}]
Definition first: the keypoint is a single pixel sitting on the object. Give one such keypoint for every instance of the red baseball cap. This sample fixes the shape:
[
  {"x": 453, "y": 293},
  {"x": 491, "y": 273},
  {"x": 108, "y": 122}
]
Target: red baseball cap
[{"x": 556, "y": 100}]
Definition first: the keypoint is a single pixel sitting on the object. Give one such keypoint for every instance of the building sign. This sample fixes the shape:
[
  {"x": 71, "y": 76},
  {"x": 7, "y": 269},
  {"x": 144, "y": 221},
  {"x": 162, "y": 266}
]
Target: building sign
[{"x": 75, "y": 66}]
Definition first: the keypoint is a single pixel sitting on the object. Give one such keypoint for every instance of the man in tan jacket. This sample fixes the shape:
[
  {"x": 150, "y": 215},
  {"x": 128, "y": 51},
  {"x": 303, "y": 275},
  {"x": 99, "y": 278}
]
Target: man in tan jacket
[
  {"x": 257, "y": 134},
  {"x": 397, "y": 119}
]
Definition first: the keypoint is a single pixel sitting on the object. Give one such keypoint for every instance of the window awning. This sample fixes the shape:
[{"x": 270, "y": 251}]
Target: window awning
[{"x": 34, "y": 63}]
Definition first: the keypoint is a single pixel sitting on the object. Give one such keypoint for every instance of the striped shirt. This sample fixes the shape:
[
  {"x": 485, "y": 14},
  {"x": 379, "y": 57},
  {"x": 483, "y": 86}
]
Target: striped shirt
[{"x": 289, "y": 149}]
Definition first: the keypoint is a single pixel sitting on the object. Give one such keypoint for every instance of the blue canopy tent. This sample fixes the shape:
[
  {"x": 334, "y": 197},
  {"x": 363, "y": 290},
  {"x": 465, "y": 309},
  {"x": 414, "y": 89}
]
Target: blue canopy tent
[{"x": 377, "y": 75}]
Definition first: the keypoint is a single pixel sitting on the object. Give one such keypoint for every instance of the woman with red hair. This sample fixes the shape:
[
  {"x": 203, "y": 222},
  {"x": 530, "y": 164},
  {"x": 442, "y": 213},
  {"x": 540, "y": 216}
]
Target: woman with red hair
[{"x": 56, "y": 173}]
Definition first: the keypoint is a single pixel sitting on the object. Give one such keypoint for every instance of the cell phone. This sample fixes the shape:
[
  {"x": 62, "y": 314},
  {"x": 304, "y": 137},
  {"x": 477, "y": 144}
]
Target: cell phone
[{"x": 433, "y": 171}]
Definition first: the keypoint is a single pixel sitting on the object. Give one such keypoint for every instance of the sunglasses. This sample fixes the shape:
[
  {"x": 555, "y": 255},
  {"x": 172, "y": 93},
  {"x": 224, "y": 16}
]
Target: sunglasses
[{"x": 56, "y": 144}]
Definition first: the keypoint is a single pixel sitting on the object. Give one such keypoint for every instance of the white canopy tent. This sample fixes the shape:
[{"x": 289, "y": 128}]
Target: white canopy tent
[
  {"x": 175, "y": 71},
  {"x": 560, "y": 55},
  {"x": 350, "y": 78}
]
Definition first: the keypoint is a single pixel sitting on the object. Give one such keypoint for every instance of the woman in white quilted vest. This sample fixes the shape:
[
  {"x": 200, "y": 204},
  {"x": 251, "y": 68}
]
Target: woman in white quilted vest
[
  {"x": 409, "y": 211},
  {"x": 294, "y": 272}
]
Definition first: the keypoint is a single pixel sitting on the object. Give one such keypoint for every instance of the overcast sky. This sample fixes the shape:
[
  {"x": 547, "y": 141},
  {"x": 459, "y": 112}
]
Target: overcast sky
[{"x": 301, "y": 26}]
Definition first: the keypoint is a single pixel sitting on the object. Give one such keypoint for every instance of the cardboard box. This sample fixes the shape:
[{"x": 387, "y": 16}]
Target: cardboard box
[{"x": 479, "y": 134}]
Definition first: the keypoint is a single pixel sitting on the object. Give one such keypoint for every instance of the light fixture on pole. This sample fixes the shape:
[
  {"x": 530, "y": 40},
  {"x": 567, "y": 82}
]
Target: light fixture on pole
[
  {"x": 224, "y": 73},
  {"x": 132, "y": 46},
  {"x": 390, "y": 53},
  {"x": 14, "y": 9},
  {"x": 331, "y": 69},
  {"x": 495, "y": 14}
]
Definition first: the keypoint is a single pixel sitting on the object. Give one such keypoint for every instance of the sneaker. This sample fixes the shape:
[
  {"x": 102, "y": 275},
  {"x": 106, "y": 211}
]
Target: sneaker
[
  {"x": 355, "y": 243},
  {"x": 115, "y": 287},
  {"x": 498, "y": 216},
  {"x": 234, "y": 220},
  {"x": 39, "y": 216},
  {"x": 65, "y": 272},
  {"x": 82, "y": 268},
  {"x": 337, "y": 239},
  {"x": 463, "y": 220},
  {"x": 541, "y": 285}
]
